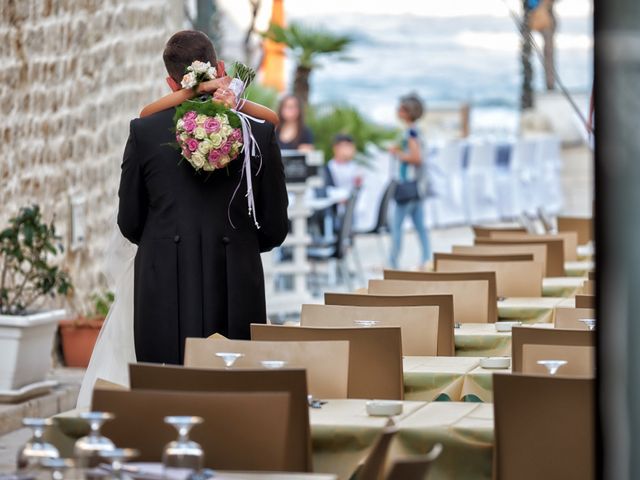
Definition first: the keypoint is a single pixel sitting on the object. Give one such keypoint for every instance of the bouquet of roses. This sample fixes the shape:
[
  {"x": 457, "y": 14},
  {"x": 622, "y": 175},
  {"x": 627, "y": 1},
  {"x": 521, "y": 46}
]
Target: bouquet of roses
[{"x": 208, "y": 133}]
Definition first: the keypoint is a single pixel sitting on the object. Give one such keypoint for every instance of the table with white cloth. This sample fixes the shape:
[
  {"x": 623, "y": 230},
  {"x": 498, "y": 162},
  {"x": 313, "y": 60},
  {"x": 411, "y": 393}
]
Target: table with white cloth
[
  {"x": 562, "y": 287},
  {"x": 483, "y": 340},
  {"x": 528, "y": 309}
]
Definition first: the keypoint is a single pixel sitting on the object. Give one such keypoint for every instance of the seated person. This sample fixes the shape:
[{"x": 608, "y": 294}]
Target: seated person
[{"x": 342, "y": 171}]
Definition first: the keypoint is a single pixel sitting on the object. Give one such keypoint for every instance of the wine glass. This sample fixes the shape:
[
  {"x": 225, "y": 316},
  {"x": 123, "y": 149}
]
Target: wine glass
[
  {"x": 36, "y": 449},
  {"x": 366, "y": 323},
  {"x": 552, "y": 365},
  {"x": 183, "y": 453},
  {"x": 229, "y": 358},
  {"x": 273, "y": 364},
  {"x": 589, "y": 322},
  {"x": 117, "y": 457},
  {"x": 57, "y": 466},
  {"x": 88, "y": 449}
]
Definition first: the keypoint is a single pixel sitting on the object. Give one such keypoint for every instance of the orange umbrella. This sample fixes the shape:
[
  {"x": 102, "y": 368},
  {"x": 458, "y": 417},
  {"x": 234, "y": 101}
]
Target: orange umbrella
[{"x": 274, "y": 53}]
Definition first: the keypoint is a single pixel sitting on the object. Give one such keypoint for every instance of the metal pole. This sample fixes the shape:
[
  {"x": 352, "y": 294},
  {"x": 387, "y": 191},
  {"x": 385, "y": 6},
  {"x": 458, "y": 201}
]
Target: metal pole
[{"x": 617, "y": 173}]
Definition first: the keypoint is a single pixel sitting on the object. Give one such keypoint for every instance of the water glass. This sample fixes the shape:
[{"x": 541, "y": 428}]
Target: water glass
[
  {"x": 117, "y": 457},
  {"x": 36, "y": 449},
  {"x": 552, "y": 366},
  {"x": 87, "y": 450},
  {"x": 229, "y": 358},
  {"x": 183, "y": 453}
]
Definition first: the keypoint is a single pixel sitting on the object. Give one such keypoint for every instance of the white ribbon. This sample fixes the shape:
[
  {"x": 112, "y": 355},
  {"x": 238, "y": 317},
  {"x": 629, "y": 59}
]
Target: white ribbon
[{"x": 250, "y": 148}]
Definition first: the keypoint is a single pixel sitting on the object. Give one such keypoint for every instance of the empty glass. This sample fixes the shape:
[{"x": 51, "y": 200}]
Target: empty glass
[
  {"x": 88, "y": 449},
  {"x": 36, "y": 449},
  {"x": 273, "y": 364},
  {"x": 366, "y": 323},
  {"x": 589, "y": 322},
  {"x": 117, "y": 457},
  {"x": 552, "y": 365},
  {"x": 183, "y": 453},
  {"x": 57, "y": 466},
  {"x": 229, "y": 358}
]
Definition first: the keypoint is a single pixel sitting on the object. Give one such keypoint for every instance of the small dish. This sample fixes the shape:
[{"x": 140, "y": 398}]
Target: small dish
[
  {"x": 384, "y": 408},
  {"x": 273, "y": 364},
  {"x": 495, "y": 362},
  {"x": 506, "y": 326}
]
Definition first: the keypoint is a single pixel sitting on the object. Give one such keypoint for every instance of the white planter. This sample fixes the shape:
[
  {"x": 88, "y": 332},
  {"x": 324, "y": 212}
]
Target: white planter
[{"x": 25, "y": 347}]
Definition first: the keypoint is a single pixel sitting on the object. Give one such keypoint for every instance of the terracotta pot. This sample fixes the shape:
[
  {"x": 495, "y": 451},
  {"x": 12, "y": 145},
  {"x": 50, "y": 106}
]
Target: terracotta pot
[{"x": 78, "y": 339}]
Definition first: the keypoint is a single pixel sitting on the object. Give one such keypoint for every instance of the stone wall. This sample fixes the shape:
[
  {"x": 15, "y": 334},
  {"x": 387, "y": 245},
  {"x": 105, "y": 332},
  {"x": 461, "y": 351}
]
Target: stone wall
[{"x": 72, "y": 75}]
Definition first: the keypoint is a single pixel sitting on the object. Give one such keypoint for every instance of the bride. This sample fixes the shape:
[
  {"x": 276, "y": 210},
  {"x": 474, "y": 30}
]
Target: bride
[{"x": 114, "y": 349}]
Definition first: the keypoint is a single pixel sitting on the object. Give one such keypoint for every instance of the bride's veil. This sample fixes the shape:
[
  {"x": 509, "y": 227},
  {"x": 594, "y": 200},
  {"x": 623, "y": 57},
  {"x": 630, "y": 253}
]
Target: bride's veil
[{"x": 114, "y": 348}]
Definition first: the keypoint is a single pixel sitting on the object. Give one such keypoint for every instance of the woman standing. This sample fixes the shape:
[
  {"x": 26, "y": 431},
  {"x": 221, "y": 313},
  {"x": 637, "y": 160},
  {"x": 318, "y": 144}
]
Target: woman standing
[
  {"x": 292, "y": 133},
  {"x": 411, "y": 189}
]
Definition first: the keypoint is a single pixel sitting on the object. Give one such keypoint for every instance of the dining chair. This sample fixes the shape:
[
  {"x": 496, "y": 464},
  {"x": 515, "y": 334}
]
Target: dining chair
[
  {"x": 569, "y": 318},
  {"x": 589, "y": 287},
  {"x": 516, "y": 275},
  {"x": 415, "y": 467},
  {"x": 530, "y": 345},
  {"x": 474, "y": 293},
  {"x": 326, "y": 363},
  {"x": 375, "y": 355},
  {"x": 422, "y": 334},
  {"x": 485, "y": 231},
  {"x": 373, "y": 467},
  {"x": 585, "y": 301},
  {"x": 539, "y": 252},
  {"x": 583, "y": 226},
  {"x": 144, "y": 376},
  {"x": 241, "y": 430},
  {"x": 443, "y": 302},
  {"x": 555, "y": 250},
  {"x": 569, "y": 241},
  {"x": 544, "y": 427}
]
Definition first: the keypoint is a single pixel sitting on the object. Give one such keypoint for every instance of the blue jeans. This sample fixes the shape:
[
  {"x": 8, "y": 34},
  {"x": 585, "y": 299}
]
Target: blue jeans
[{"x": 416, "y": 211}]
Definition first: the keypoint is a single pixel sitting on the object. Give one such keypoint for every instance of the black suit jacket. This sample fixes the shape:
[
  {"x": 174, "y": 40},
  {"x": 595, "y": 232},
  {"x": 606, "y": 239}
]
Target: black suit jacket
[{"x": 195, "y": 274}]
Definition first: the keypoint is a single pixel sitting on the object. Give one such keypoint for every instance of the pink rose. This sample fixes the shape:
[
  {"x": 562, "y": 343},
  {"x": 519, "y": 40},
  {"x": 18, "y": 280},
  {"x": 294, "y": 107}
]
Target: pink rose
[
  {"x": 189, "y": 125},
  {"x": 192, "y": 144},
  {"x": 236, "y": 134},
  {"x": 226, "y": 148},
  {"x": 186, "y": 153},
  {"x": 214, "y": 156},
  {"x": 190, "y": 115},
  {"x": 211, "y": 125}
]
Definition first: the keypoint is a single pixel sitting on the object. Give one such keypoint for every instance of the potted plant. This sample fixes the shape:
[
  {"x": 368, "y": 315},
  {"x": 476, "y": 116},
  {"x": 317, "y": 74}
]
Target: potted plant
[
  {"x": 79, "y": 336},
  {"x": 27, "y": 279}
]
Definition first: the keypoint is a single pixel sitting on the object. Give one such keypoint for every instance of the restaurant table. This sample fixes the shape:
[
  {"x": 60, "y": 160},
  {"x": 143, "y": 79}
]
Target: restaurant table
[
  {"x": 528, "y": 309},
  {"x": 464, "y": 429},
  {"x": 156, "y": 470},
  {"x": 448, "y": 379},
  {"x": 483, "y": 340},
  {"x": 562, "y": 286},
  {"x": 578, "y": 269}
]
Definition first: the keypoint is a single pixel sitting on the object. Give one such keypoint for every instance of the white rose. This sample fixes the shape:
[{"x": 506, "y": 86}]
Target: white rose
[
  {"x": 226, "y": 130},
  {"x": 211, "y": 73},
  {"x": 200, "y": 67},
  {"x": 180, "y": 124},
  {"x": 198, "y": 160},
  {"x": 222, "y": 118},
  {"x": 189, "y": 80},
  {"x": 204, "y": 147},
  {"x": 216, "y": 140},
  {"x": 200, "y": 119},
  {"x": 224, "y": 160},
  {"x": 184, "y": 137},
  {"x": 200, "y": 133}
]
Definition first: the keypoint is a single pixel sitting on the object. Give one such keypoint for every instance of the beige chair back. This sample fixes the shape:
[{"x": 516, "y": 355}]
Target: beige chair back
[
  {"x": 375, "y": 355},
  {"x": 582, "y": 226},
  {"x": 569, "y": 241},
  {"x": 416, "y": 467},
  {"x": 291, "y": 381},
  {"x": 374, "y": 465},
  {"x": 560, "y": 339},
  {"x": 569, "y": 318},
  {"x": 326, "y": 363},
  {"x": 539, "y": 251},
  {"x": 585, "y": 301},
  {"x": 580, "y": 359},
  {"x": 544, "y": 427},
  {"x": 241, "y": 431},
  {"x": 443, "y": 302},
  {"x": 420, "y": 329},
  {"x": 555, "y": 250},
  {"x": 487, "y": 231},
  {"x": 472, "y": 291},
  {"x": 516, "y": 275},
  {"x": 589, "y": 287}
]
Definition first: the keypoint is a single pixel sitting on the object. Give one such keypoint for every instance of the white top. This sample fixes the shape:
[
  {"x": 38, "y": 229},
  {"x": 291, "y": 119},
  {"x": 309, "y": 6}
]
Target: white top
[{"x": 344, "y": 174}]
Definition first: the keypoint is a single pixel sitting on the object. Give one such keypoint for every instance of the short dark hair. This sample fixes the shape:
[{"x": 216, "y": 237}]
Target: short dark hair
[
  {"x": 413, "y": 105},
  {"x": 185, "y": 47},
  {"x": 342, "y": 137}
]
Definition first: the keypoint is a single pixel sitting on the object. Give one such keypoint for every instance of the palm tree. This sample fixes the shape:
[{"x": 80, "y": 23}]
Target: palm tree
[{"x": 306, "y": 45}]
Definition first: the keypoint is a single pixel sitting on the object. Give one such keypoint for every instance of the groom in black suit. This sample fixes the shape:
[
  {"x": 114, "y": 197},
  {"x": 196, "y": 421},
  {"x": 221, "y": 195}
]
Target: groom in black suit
[{"x": 195, "y": 274}]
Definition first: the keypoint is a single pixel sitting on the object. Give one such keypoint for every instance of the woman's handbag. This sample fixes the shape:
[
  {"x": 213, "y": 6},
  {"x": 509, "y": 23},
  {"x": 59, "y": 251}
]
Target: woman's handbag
[{"x": 406, "y": 192}]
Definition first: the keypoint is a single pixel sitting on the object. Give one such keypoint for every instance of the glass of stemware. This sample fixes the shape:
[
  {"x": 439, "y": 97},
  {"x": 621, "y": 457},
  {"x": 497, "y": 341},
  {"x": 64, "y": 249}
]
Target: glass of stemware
[
  {"x": 273, "y": 364},
  {"x": 36, "y": 449},
  {"x": 183, "y": 453},
  {"x": 88, "y": 449},
  {"x": 589, "y": 322},
  {"x": 552, "y": 366},
  {"x": 118, "y": 457},
  {"x": 57, "y": 466},
  {"x": 366, "y": 323},
  {"x": 229, "y": 358}
]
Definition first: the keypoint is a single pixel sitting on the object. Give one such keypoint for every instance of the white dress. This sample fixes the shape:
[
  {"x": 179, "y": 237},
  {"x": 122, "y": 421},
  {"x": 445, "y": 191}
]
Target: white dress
[{"x": 114, "y": 349}]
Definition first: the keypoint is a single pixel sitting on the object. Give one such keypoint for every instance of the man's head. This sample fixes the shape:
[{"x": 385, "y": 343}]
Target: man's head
[
  {"x": 344, "y": 149},
  {"x": 411, "y": 108},
  {"x": 182, "y": 49}
]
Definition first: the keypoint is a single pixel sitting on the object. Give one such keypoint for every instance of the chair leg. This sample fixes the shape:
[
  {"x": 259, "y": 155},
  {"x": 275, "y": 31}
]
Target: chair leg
[{"x": 358, "y": 263}]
